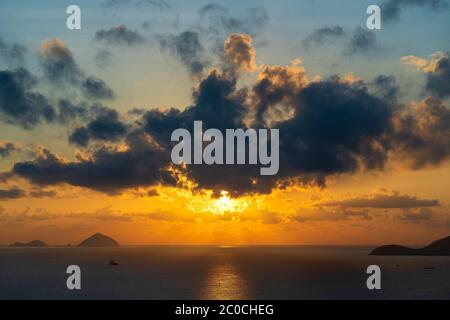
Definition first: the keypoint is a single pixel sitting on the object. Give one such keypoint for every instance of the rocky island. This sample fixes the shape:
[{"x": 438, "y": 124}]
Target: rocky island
[
  {"x": 99, "y": 240},
  {"x": 31, "y": 244},
  {"x": 439, "y": 247}
]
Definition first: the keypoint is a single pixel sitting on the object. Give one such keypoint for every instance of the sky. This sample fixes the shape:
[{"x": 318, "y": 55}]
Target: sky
[{"x": 86, "y": 117}]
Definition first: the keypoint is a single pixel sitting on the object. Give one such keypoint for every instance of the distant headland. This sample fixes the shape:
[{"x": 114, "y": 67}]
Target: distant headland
[
  {"x": 439, "y": 247},
  {"x": 98, "y": 240}
]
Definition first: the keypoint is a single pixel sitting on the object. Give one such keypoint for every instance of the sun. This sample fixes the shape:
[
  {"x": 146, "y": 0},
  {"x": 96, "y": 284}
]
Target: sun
[{"x": 224, "y": 203}]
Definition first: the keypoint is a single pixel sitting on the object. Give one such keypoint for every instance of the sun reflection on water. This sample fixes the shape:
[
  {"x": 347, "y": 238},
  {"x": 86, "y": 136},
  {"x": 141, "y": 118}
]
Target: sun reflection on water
[{"x": 224, "y": 280}]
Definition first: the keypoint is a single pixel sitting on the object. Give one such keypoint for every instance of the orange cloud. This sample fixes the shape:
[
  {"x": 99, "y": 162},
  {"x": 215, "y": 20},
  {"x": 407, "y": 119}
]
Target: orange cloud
[{"x": 239, "y": 53}]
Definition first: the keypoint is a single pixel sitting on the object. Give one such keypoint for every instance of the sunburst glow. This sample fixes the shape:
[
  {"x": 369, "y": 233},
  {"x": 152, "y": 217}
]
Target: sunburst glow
[{"x": 221, "y": 206}]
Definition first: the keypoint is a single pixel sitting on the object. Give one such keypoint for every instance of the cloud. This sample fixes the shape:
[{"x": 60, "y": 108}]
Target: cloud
[
  {"x": 108, "y": 4},
  {"x": 11, "y": 194},
  {"x": 12, "y": 53},
  {"x": 97, "y": 89},
  {"x": 362, "y": 42},
  {"x": 275, "y": 86},
  {"x": 323, "y": 36},
  {"x": 333, "y": 130},
  {"x": 58, "y": 62},
  {"x": 188, "y": 48},
  {"x": 385, "y": 87},
  {"x": 384, "y": 201},
  {"x": 270, "y": 217},
  {"x": 391, "y": 9},
  {"x": 7, "y": 148},
  {"x": 336, "y": 128},
  {"x": 437, "y": 69},
  {"x": 42, "y": 193},
  {"x": 103, "y": 58},
  {"x": 119, "y": 36},
  {"x": 103, "y": 214},
  {"x": 428, "y": 64},
  {"x": 109, "y": 170},
  {"x": 153, "y": 4},
  {"x": 418, "y": 216},
  {"x": 18, "y": 218},
  {"x": 105, "y": 127},
  {"x": 438, "y": 81},
  {"x": 328, "y": 127},
  {"x": 60, "y": 67},
  {"x": 421, "y": 133},
  {"x": 239, "y": 53},
  {"x": 19, "y": 104},
  {"x": 332, "y": 216},
  {"x": 152, "y": 193},
  {"x": 68, "y": 111},
  {"x": 219, "y": 20},
  {"x": 140, "y": 4}
]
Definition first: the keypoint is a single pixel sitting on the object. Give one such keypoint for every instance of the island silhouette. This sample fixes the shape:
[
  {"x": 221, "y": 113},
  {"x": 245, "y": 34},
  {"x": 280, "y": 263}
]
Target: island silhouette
[
  {"x": 439, "y": 247},
  {"x": 31, "y": 244},
  {"x": 97, "y": 240}
]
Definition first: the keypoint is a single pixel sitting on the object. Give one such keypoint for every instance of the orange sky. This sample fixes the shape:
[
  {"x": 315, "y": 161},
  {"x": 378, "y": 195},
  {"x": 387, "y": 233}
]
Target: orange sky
[{"x": 407, "y": 201}]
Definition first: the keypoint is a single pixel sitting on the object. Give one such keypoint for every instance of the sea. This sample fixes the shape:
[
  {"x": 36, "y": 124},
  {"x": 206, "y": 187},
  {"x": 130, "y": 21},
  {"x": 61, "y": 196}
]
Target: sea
[{"x": 219, "y": 273}]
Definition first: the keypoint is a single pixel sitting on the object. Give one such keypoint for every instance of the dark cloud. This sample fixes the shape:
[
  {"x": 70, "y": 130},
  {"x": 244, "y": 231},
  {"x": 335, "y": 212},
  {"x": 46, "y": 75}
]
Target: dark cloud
[
  {"x": 333, "y": 126},
  {"x": 188, "y": 48},
  {"x": 97, "y": 89},
  {"x": 41, "y": 193},
  {"x": 105, "y": 127},
  {"x": 323, "y": 36},
  {"x": 10, "y": 194},
  {"x": 153, "y": 193},
  {"x": 438, "y": 81},
  {"x": 19, "y": 104},
  {"x": 391, "y": 9},
  {"x": 108, "y": 170},
  {"x": 219, "y": 20},
  {"x": 421, "y": 134},
  {"x": 68, "y": 111},
  {"x": 103, "y": 58},
  {"x": 60, "y": 68},
  {"x": 12, "y": 53},
  {"x": 336, "y": 127},
  {"x": 362, "y": 41},
  {"x": 384, "y": 201},
  {"x": 119, "y": 36},
  {"x": 58, "y": 63},
  {"x": 7, "y": 148},
  {"x": 334, "y": 130},
  {"x": 386, "y": 87},
  {"x": 333, "y": 216}
]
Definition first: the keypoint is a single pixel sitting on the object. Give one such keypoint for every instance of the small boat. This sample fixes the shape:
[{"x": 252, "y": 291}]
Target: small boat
[
  {"x": 430, "y": 268},
  {"x": 113, "y": 263}
]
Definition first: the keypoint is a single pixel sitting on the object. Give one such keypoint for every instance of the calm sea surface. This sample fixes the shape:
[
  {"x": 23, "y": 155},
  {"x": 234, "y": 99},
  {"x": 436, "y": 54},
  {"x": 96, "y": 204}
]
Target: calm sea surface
[{"x": 297, "y": 272}]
